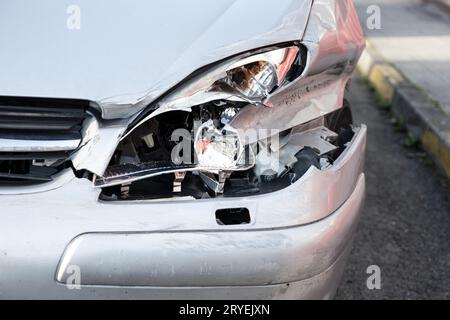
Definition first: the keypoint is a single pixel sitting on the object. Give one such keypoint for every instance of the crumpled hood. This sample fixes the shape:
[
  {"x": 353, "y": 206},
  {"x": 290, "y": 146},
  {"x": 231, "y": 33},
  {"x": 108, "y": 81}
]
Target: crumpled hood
[{"x": 126, "y": 51}]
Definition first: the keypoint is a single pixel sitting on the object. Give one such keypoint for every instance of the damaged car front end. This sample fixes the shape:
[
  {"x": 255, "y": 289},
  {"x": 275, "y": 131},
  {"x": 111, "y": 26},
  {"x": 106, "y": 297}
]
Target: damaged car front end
[{"x": 237, "y": 174}]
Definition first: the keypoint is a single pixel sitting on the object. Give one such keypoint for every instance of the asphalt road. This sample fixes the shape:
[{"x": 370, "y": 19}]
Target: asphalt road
[{"x": 405, "y": 228}]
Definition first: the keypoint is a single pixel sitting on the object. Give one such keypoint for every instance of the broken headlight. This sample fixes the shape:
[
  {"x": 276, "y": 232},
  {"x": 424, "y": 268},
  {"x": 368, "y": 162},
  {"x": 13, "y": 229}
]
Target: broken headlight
[
  {"x": 186, "y": 141},
  {"x": 250, "y": 78}
]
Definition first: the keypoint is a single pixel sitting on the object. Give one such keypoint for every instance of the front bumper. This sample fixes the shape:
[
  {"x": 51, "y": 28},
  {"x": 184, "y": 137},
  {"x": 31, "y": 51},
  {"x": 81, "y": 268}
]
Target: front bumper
[{"x": 295, "y": 246}]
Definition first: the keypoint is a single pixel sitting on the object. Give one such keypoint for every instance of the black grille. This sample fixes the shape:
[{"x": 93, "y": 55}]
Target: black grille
[{"x": 40, "y": 118}]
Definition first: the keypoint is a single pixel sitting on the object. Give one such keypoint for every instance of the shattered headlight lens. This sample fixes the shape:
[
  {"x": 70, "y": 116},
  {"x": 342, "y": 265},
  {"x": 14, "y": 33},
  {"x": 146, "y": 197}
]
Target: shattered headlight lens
[
  {"x": 216, "y": 149},
  {"x": 254, "y": 78}
]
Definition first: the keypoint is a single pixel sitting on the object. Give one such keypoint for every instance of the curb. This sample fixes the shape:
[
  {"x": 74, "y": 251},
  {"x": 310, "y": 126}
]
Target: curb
[{"x": 422, "y": 116}]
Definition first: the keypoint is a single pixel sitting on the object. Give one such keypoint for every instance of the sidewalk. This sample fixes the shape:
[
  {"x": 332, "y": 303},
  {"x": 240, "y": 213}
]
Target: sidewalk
[{"x": 408, "y": 63}]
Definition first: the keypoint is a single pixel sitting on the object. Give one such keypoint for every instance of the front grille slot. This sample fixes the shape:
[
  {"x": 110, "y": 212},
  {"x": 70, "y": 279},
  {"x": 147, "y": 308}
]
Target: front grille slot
[
  {"x": 38, "y": 116},
  {"x": 37, "y": 135},
  {"x": 38, "y": 123}
]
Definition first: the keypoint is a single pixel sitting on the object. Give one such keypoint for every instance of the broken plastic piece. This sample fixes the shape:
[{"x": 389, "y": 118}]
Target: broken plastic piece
[
  {"x": 127, "y": 173},
  {"x": 216, "y": 185},
  {"x": 125, "y": 190},
  {"x": 274, "y": 161},
  {"x": 317, "y": 139},
  {"x": 179, "y": 177}
]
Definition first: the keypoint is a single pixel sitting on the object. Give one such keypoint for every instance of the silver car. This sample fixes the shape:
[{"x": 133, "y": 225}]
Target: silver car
[{"x": 177, "y": 149}]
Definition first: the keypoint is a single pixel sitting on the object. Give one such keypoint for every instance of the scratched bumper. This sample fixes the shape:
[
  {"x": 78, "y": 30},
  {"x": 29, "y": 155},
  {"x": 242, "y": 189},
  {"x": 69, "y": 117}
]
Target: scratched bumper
[{"x": 298, "y": 262}]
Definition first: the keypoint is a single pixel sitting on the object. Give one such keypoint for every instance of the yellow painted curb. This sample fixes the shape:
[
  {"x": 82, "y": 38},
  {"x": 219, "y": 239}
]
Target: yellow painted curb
[
  {"x": 438, "y": 148},
  {"x": 384, "y": 78}
]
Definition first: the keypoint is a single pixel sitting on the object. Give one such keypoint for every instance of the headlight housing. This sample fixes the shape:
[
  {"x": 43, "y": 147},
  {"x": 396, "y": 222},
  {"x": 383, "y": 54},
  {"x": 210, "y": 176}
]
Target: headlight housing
[
  {"x": 249, "y": 77},
  {"x": 203, "y": 107}
]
